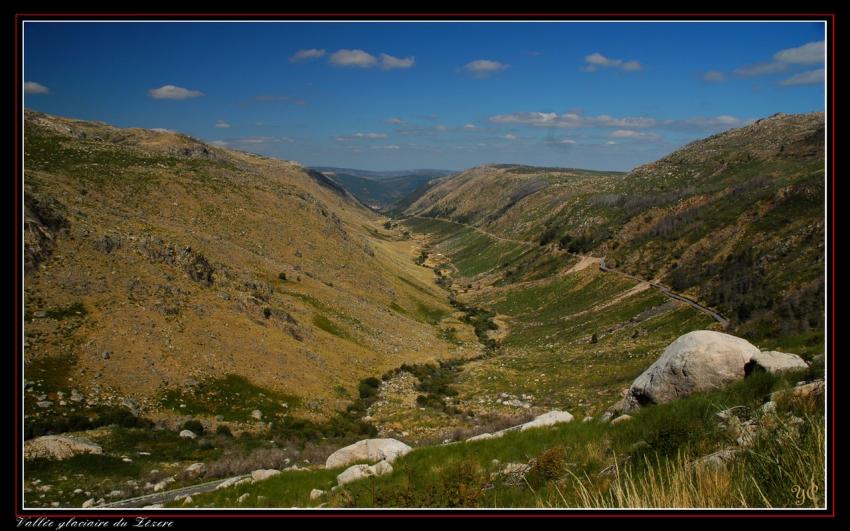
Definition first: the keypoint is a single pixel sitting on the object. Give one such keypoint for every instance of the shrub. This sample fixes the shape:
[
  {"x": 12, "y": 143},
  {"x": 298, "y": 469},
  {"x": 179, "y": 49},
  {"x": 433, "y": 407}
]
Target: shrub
[
  {"x": 281, "y": 276},
  {"x": 194, "y": 426},
  {"x": 223, "y": 430}
]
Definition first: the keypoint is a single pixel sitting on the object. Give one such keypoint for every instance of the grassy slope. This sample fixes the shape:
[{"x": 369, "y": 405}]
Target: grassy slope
[{"x": 653, "y": 451}]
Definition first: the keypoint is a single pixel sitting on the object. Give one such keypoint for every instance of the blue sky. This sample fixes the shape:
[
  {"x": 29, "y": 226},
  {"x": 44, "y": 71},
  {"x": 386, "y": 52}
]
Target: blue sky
[{"x": 429, "y": 95}]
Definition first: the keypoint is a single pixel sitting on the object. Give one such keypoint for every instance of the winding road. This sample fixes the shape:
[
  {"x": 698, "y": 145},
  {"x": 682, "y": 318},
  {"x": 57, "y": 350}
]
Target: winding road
[
  {"x": 169, "y": 495},
  {"x": 724, "y": 322}
]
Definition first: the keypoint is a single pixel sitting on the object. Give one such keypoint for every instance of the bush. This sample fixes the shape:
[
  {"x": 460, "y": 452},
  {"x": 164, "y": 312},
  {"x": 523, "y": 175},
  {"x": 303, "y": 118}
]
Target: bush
[
  {"x": 194, "y": 426},
  {"x": 281, "y": 276},
  {"x": 223, "y": 430}
]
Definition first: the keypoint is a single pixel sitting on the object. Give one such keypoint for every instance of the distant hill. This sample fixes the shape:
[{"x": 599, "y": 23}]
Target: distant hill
[
  {"x": 380, "y": 189},
  {"x": 735, "y": 220}
]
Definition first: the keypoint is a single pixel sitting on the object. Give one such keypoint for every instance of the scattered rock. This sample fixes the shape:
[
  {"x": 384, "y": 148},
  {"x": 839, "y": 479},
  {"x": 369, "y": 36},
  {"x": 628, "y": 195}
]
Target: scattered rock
[
  {"x": 315, "y": 494},
  {"x": 621, "y": 419},
  {"x": 257, "y": 414},
  {"x": 485, "y": 436},
  {"x": 196, "y": 469},
  {"x": 188, "y": 434},
  {"x": 260, "y": 475},
  {"x": 548, "y": 419},
  {"x": 187, "y": 500},
  {"x": 59, "y": 447},
  {"x": 162, "y": 484},
  {"x": 354, "y": 473},
  {"x": 88, "y": 503},
  {"x": 44, "y": 404},
  {"x": 242, "y": 498},
  {"x": 368, "y": 450},
  {"x": 105, "y": 354}
]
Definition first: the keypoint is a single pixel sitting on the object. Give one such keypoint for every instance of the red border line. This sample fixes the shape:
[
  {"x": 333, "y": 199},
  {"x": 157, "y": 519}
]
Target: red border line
[{"x": 412, "y": 513}]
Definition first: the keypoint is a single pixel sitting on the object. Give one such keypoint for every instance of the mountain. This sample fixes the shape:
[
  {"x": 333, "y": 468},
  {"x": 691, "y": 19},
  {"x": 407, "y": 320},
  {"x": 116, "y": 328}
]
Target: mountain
[
  {"x": 380, "y": 189},
  {"x": 195, "y": 313},
  {"x": 157, "y": 263},
  {"x": 735, "y": 220}
]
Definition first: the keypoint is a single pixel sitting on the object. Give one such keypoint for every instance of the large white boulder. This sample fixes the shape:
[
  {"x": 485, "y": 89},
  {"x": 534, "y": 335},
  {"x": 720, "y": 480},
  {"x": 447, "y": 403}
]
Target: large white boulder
[
  {"x": 370, "y": 450},
  {"x": 187, "y": 434},
  {"x": 59, "y": 447},
  {"x": 547, "y": 419},
  {"x": 696, "y": 361},
  {"x": 775, "y": 362}
]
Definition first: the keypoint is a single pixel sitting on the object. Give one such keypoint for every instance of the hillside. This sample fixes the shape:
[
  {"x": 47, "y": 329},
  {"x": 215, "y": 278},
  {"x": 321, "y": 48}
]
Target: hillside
[
  {"x": 381, "y": 189},
  {"x": 157, "y": 265},
  {"x": 735, "y": 220}
]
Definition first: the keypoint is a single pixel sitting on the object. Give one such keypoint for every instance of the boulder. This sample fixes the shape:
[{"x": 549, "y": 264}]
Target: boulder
[
  {"x": 548, "y": 419},
  {"x": 382, "y": 468},
  {"x": 775, "y": 362},
  {"x": 257, "y": 414},
  {"x": 262, "y": 475},
  {"x": 59, "y": 447},
  {"x": 696, "y": 361},
  {"x": 188, "y": 434},
  {"x": 88, "y": 503},
  {"x": 368, "y": 450},
  {"x": 621, "y": 419},
  {"x": 354, "y": 473},
  {"x": 315, "y": 494},
  {"x": 196, "y": 469}
]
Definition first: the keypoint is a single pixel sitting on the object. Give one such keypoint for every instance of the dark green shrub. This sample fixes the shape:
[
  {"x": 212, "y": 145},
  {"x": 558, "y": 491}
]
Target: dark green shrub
[
  {"x": 223, "y": 430},
  {"x": 194, "y": 426},
  {"x": 281, "y": 276}
]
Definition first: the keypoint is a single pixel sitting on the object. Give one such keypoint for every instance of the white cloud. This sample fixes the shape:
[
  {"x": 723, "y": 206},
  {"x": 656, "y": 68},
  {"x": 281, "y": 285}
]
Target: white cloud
[
  {"x": 597, "y": 60},
  {"x": 361, "y": 136},
  {"x": 482, "y": 68},
  {"x": 221, "y": 124},
  {"x": 714, "y": 76},
  {"x": 394, "y": 121},
  {"x": 470, "y": 127},
  {"x": 637, "y": 135},
  {"x": 306, "y": 55},
  {"x": 440, "y": 128},
  {"x": 571, "y": 120},
  {"x": 807, "y": 54},
  {"x": 509, "y": 137},
  {"x": 353, "y": 58},
  {"x": 564, "y": 142},
  {"x": 388, "y": 62},
  {"x": 171, "y": 92},
  {"x": 761, "y": 69},
  {"x": 392, "y": 147},
  {"x": 256, "y": 140},
  {"x": 704, "y": 123},
  {"x": 219, "y": 143},
  {"x": 811, "y": 77},
  {"x": 610, "y": 143},
  {"x": 31, "y": 87}
]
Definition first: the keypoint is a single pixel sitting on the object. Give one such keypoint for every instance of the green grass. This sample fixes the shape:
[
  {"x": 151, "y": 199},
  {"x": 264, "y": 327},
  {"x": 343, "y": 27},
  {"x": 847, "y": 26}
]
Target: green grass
[
  {"x": 231, "y": 396},
  {"x": 570, "y": 459}
]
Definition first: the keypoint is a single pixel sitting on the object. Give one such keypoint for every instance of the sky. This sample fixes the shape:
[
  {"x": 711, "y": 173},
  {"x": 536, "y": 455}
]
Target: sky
[{"x": 405, "y": 95}]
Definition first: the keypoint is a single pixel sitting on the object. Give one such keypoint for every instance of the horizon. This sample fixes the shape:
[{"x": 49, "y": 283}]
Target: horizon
[{"x": 380, "y": 96}]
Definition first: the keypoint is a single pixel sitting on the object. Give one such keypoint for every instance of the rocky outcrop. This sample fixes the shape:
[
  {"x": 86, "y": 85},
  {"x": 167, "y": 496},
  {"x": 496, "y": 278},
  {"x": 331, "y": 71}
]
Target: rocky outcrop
[
  {"x": 59, "y": 447},
  {"x": 193, "y": 263},
  {"x": 775, "y": 362},
  {"x": 696, "y": 361},
  {"x": 368, "y": 450},
  {"x": 43, "y": 221}
]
